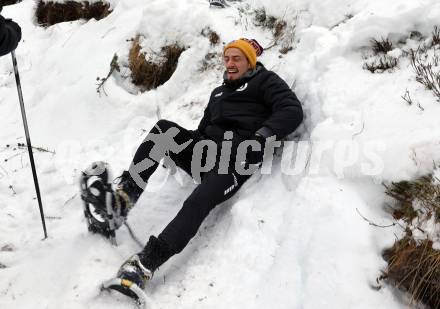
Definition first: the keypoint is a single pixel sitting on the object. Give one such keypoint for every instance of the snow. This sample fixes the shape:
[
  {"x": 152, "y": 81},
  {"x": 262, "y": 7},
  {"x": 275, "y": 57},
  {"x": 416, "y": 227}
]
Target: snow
[{"x": 290, "y": 241}]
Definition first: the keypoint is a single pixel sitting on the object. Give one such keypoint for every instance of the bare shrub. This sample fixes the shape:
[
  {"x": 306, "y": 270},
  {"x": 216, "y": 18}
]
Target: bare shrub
[
  {"x": 114, "y": 66},
  {"x": 407, "y": 98},
  {"x": 426, "y": 67},
  {"x": 50, "y": 13},
  {"x": 148, "y": 74}
]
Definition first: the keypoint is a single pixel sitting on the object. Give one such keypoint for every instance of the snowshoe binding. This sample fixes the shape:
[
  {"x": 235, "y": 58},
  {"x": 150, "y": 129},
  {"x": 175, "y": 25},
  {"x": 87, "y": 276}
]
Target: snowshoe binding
[{"x": 131, "y": 280}]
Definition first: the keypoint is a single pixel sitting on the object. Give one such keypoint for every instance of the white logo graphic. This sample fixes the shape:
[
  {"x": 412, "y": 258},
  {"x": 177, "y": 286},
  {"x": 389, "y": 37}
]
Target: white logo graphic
[
  {"x": 242, "y": 88},
  {"x": 218, "y": 94},
  {"x": 233, "y": 186}
]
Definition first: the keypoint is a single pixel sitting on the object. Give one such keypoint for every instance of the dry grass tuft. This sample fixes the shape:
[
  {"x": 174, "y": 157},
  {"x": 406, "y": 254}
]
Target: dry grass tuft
[
  {"x": 148, "y": 74},
  {"x": 50, "y": 13},
  {"x": 381, "y": 46},
  {"x": 212, "y": 61},
  {"x": 262, "y": 19},
  {"x": 283, "y": 32},
  {"x": 284, "y": 50},
  {"x": 380, "y": 61},
  {"x": 414, "y": 265},
  {"x": 422, "y": 191},
  {"x": 381, "y": 64},
  {"x": 415, "y": 268},
  {"x": 213, "y": 37}
]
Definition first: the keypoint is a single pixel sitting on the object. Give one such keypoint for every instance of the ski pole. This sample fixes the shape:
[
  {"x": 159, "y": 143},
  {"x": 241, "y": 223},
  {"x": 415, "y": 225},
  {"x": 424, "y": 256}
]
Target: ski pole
[{"x": 28, "y": 141}]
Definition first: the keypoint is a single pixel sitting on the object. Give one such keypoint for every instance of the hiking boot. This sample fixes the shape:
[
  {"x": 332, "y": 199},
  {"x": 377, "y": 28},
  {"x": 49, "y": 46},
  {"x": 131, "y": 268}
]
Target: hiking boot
[{"x": 127, "y": 193}]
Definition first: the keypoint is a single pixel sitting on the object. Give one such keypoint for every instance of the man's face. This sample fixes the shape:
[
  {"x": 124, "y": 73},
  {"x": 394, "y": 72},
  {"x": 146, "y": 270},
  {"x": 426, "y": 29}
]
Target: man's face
[{"x": 236, "y": 63}]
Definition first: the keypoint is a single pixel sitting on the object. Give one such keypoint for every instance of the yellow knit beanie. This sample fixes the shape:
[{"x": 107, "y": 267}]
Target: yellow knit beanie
[{"x": 250, "y": 48}]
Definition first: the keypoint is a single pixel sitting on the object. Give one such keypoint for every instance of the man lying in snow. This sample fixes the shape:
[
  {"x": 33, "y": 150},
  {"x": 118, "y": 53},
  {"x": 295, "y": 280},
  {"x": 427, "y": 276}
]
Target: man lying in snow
[
  {"x": 251, "y": 105},
  {"x": 10, "y": 35}
]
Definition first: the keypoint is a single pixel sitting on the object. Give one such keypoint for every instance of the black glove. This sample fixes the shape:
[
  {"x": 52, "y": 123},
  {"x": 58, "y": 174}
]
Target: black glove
[
  {"x": 256, "y": 156},
  {"x": 196, "y": 135},
  {"x": 14, "y": 27},
  {"x": 10, "y": 35}
]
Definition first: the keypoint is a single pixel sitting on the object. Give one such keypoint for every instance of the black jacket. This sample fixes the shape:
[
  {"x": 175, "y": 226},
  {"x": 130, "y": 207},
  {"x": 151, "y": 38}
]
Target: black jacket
[
  {"x": 10, "y": 35},
  {"x": 260, "y": 101}
]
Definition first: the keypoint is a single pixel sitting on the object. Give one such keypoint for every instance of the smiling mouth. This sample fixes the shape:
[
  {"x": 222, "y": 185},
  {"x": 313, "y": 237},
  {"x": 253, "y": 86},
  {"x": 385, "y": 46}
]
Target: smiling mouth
[{"x": 232, "y": 71}]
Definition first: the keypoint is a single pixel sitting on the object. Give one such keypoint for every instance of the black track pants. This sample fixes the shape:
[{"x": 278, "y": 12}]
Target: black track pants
[{"x": 214, "y": 188}]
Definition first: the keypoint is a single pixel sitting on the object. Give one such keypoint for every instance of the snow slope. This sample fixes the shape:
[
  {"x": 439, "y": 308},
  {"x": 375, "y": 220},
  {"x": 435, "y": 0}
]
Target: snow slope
[{"x": 288, "y": 241}]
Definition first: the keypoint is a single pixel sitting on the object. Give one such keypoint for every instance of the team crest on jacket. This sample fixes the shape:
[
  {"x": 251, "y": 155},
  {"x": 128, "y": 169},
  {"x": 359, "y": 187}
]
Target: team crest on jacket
[{"x": 242, "y": 88}]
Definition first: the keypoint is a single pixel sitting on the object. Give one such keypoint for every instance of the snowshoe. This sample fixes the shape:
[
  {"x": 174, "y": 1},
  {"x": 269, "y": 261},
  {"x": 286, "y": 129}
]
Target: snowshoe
[
  {"x": 101, "y": 212},
  {"x": 130, "y": 280},
  {"x": 106, "y": 209}
]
